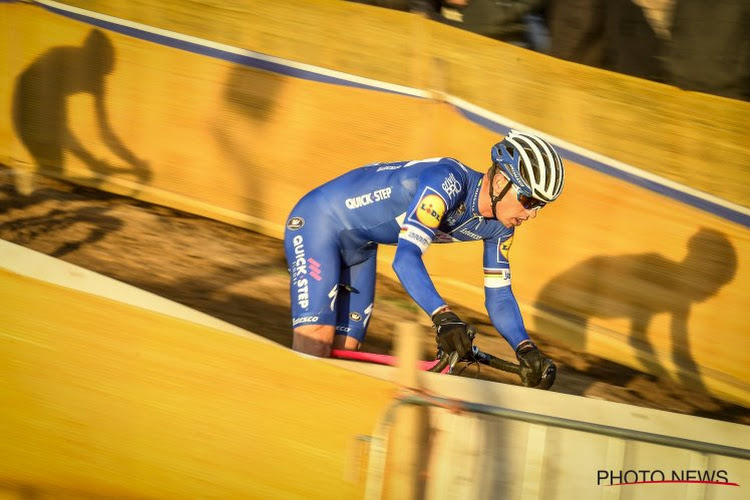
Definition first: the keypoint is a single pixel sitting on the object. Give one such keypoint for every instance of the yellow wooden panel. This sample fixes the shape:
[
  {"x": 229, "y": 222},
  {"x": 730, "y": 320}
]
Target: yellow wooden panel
[
  {"x": 104, "y": 398},
  {"x": 622, "y": 272},
  {"x": 646, "y": 270},
  {"x": 685, "y": 136},
  {"x": 227, "y": 136},
  {"x": 242, "y": 145}
]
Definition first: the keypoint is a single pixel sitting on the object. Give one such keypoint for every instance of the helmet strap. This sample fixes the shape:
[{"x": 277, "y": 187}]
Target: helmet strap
[{"x": 495, "y": 199}]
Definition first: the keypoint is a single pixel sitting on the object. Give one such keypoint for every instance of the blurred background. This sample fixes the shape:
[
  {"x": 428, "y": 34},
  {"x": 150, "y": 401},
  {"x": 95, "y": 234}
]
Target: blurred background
[
  {"x": 691, "y": 44},
  {"x": 275, "y": 98},
  {"x": 232, "y": 110}
]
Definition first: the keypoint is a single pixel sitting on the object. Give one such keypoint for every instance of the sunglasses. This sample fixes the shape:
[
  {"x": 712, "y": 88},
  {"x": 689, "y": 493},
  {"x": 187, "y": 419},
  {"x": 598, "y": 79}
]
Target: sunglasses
[{"x": 526, "y": 202}]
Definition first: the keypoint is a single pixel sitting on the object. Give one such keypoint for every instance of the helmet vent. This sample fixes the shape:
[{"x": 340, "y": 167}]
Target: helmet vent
[{"x": 538, "y": 170}]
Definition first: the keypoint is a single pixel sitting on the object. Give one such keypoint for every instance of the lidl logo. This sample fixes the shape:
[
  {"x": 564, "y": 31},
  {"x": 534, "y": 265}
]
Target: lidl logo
[
  {"x": 430, "y": 210},
  {"x": 505, "y": 247}
]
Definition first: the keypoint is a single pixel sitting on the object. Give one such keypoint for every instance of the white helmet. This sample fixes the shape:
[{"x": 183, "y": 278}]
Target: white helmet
[{"x": 531, "y": 164}]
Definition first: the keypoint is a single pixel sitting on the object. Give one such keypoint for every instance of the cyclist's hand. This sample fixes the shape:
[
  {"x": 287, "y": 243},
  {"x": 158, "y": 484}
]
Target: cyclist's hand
[
  {"x": 452, "y": 334},
  {"x": 536, "y": 369}
]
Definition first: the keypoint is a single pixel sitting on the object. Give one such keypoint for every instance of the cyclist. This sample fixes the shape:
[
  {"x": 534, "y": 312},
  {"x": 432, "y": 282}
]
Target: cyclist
[{"x": 333, "y": 233}]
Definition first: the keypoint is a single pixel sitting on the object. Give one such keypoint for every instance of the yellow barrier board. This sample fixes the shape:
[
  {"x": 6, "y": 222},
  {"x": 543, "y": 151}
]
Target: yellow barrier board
[
  {"x": 693, "y": 138},
  {"x": 107, "y": 399},
  {"x": 612, "y": 268},
  {"x": 624, "y": 273},
  {"x": 102, "y": 398}
]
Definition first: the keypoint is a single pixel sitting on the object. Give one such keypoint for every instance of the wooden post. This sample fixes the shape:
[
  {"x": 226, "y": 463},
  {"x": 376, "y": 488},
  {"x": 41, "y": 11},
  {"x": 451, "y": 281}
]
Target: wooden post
[
  {"x": 408, "y": 352},
  {"x": 407, "y": 455}
]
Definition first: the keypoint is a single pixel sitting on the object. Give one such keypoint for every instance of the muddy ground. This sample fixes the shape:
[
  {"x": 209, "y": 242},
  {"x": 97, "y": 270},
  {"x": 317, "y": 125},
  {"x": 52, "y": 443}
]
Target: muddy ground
[{"x": 240, "y": 276}]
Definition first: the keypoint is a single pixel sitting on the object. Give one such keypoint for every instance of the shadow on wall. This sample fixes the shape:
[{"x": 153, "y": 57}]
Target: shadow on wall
[
  {"x": 637, "y": 287},
  {"x": 250, "y": 95},
  {"x": 87, "y": 225},
  {"x": 41, "y": 116}
]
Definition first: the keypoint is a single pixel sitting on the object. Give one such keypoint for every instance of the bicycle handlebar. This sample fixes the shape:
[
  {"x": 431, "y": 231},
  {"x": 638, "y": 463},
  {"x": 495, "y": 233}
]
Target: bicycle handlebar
[
  {"x": 548, "y": 378},
  {"x": 494, "y": 362},
  {"x": 451, "y": 359}
]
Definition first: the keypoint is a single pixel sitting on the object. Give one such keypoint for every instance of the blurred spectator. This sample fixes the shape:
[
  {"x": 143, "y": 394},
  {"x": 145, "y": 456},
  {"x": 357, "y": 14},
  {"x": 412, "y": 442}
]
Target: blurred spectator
[
  {"x": 537, "y": 31},
  {"x": 520, "y": 22},
  {"x": 617, "y": 35},
  {"x": 701, "y": 45},
  {"x": 577, "y": 30},
  {"x": 709, "y": 50},
  {"x": 428, "y": 7},
  {"x": 632, "y": 45}
]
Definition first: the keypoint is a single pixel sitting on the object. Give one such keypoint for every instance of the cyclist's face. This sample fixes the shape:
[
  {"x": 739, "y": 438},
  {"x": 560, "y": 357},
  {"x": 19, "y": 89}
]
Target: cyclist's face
[{"x": 510, "y": 211}]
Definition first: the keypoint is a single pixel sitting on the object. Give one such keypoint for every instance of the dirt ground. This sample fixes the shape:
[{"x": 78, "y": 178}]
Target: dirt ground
[{"x": 240, "y": 277}]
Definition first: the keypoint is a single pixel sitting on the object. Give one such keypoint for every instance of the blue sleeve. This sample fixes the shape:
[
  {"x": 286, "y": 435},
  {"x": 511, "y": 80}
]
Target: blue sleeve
[
  {"x": 415, "y": 279},
  {"x": 435, "y": 195},
  {"x": 500, "y": 302}
]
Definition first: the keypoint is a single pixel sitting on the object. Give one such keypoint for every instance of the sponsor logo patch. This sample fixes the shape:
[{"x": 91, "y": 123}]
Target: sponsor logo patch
[
  {"x": 304, "y": 319},
  {"x": 430, "y": 210},
  {"x": 368, "y": 198},
  {"x": 299, "y": 272},
  {"x": 471, "y": 234},
  {"x": 496, "y": 278},
  {"x": 355, "y": 316},
  {"x": 513, "y": 161},
  {"x": 333, "y": 294},
  {"x": 503, "y": 248},
  {"x": 451, "y": 186},
  {"x": 295, "y": 223},
  {"x": 389, "y": 167},
  {"x": 416, "y": 236},
  {"x": 314, "y": 268}
]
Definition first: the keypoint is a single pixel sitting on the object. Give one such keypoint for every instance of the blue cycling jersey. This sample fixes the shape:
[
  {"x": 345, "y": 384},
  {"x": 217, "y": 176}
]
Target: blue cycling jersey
[{"x": 333, "y": 232}]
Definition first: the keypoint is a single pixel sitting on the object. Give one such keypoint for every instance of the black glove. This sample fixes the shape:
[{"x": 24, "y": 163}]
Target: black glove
[
  {"x": 536, "y": 369},
  {"x": 452, "y": 334}
]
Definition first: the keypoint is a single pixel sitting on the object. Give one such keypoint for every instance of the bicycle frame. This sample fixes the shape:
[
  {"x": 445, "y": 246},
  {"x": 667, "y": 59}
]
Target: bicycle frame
[
  {"x": 383, "y": 359},
  {"x": 444, "y": 364}
]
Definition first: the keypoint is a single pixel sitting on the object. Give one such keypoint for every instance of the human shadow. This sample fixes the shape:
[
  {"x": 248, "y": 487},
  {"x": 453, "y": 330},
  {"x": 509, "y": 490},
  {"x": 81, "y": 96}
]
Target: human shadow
[
  {"x": 250, "y": 97},
  {"x": 11, "y": 198},
  {"x": 41, "y": 115},
  {"x": 95, "y": 224},
  {"x": 638, "y": 287}
]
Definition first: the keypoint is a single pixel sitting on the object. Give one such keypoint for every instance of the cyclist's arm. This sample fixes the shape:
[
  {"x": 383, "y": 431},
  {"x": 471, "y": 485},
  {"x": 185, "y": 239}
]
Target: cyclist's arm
[
  {"x": 420, "y": 223},
  {"x": 412, "y": 272},
  {"x": 500, "y": 302}
]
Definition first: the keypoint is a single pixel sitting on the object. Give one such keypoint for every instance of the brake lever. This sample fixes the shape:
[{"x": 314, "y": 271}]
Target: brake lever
[
  {"x": 453, "y": 359},
  {"x": 548, "y": 378}
]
